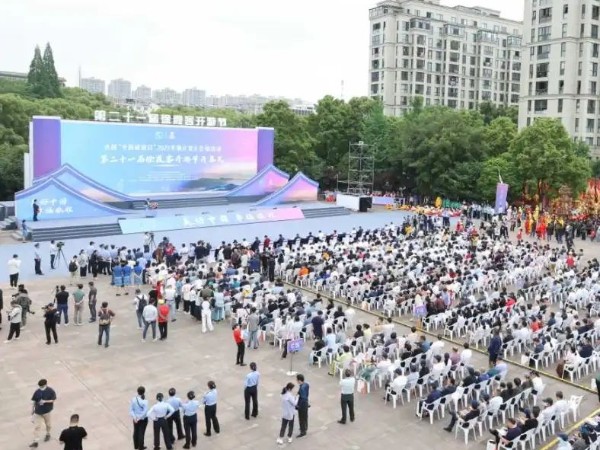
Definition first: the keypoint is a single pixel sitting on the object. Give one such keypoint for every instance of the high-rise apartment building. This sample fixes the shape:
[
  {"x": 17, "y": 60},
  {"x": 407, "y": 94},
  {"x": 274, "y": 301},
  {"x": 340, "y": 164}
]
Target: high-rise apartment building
[
  {"x": 560, "y": 66},
  {"x": 166, "y": 96},
  {"x": 93, "y": 85},
  {"x": 142, "y": 94},
  {"x": 119, "y": 89},
  {"x": 452, "y": 56},
  {"x": 194, "y": 97}
]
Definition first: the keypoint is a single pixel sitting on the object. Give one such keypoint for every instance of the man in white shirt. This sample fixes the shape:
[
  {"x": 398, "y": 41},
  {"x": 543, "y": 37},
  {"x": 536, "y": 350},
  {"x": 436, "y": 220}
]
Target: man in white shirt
[
  {"x": 347, "y": 396},
  {"x": 150, "y": 315},
  {"x": 437, "y": 348},
  {"x": 14, "y": 266},
  {"x": 206, "y": 315},
  {"x": 53, "y": 252},
  {"x": 170, "y": 293}
]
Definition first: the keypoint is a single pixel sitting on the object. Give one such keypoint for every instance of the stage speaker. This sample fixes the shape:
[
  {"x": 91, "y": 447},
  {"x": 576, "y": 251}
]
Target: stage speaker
[{"x": 365, "y": 203}]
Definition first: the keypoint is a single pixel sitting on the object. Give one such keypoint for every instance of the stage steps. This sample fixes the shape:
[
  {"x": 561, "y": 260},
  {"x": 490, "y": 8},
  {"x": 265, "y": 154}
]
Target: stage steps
[
  {"x": 10, "y": 223},
  {"x": 332, "y": 211},
  {"x": 75, "y": 232}
]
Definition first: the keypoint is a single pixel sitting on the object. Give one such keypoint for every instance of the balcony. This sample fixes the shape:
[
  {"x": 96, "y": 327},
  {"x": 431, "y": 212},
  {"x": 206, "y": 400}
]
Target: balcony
[
  {"x": 541, "y": 92},
  {"x": 541, "y": 74},
  {"x": 545, "y": 19},
  {"x": 544, "y": 55}
]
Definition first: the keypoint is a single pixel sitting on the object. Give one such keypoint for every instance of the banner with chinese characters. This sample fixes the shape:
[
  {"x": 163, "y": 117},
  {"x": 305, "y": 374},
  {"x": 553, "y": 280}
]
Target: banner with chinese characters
[
  {"x": 164, "y": 119},
  {"x": 141, "y": 160},
  {"x": 501, "y": 195},
  {"x": 166, "y": 223},
  {"x": 58, "y": 201}
]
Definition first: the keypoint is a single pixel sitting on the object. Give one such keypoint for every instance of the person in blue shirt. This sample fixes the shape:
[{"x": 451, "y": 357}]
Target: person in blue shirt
[
  {"x": 251, "y": 391},
  {"x": 426, "y": 402},
  {"x": 117, "y": 278},
  {"x": 138, "y": 410},
  {"x": 210, "y": 409},
  {"x": 190, "y": 419},
  {"x": 159, "y": 413},
  {"x": 302, "y": 404},
  {"x": 126, "y": 269},
  {"x": 175, "y": 402},
  {"x": 495, "y": 347}
]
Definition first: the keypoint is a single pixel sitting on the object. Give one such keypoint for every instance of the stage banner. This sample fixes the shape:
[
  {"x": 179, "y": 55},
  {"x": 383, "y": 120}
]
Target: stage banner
[
  {"x": 501, "y": 195},
  {"x": 166, "y": 223}
]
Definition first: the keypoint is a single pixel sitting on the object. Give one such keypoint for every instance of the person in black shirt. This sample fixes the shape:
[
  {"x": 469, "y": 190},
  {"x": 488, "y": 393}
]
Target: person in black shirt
[
  {"x": 50, "y": 315},
  {"x": 466, "y": 416},
  {"x": 43, "y": 403},
  {"x": 73, "y": 437},
  {"x": 62, "y": 304}
]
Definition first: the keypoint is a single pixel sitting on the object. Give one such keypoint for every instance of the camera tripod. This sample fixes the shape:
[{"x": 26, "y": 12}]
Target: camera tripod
[{"x": 59, "y": 255}]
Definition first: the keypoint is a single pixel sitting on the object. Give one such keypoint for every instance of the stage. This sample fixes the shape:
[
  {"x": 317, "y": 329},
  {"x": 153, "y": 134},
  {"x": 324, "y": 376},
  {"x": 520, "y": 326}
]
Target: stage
[{"x": 164, "y": 220}]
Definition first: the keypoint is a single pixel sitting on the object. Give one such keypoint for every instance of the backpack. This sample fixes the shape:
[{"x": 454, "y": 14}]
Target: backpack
[
  {"x": 141, "y": 303},
  {"x": 104, "y": 317},
  {"x": 72, "y": 266}
]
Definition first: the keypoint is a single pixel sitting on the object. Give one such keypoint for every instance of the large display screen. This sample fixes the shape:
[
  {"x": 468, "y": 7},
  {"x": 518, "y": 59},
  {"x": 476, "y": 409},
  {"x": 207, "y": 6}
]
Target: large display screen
[{"x": 148, "y": 160}]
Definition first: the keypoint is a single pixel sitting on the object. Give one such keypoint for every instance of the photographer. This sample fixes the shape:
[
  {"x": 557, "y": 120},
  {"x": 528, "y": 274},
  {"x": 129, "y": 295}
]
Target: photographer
[
  {"x": 22, "y": 298},
  {"x": 50, "y": 317},
  {"x": 148, "y": 238}
]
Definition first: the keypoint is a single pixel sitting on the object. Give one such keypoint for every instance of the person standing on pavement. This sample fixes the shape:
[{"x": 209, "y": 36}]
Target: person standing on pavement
[
  {"x": 53, "y": 249},
  {"x": 190, "y": 419},
  {"x": 50, "y": 314},
  {"x": 92, "y": 298},
  {"x": 105, "y": 316},
  {"x": 253, "y": 320},
  {"x": 140, "y": 303},
  {"x": 73, "y": 437},
  {"x": 43, "y": 403},
  {"x": 138, "y": 410},
  {"x": 14, "y": 318},
  {"x": 206, "y": 312},
  {"x": 175, "y": 418},
  {"x": 78, "y": 296},
  {"x": 347, "y": 396},
  {"x": 302, "y": 404},
  {"x": 37, "y": 259},
  {"x": 150, "y": 315},
  {"x": 251, "y": 392},
  {"x": 159, "y": 413},
  {"x": 14, "y": 266},
  {"x": 62, "y": 303},
  {"x": 239, "y": 342},
  {"x": 209, "y": 400},
  {"x": 163, "y": 319},
  {"x": 288, "y": 411},
  {"x": 25, "y": 302}
]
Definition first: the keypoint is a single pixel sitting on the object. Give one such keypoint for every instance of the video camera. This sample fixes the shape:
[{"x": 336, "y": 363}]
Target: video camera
[{"x": 60, "y": 244}]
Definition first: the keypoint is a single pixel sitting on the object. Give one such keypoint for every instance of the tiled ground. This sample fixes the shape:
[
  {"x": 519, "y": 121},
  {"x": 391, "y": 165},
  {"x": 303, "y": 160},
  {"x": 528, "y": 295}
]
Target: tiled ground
[{"x": 98, "y": 383}]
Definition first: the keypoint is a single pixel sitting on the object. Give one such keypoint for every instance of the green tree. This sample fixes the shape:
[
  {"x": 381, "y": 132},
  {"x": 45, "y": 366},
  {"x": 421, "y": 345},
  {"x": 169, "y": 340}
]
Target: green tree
[
  {"x": 581, "y": 149},
  {"x": 498, "y": 135},
  {"x": 50, "y": 81},
  {"x": 12, "y": 149},
  {"x": 545, "y": 159},
  {"x": 329, "y": 128},
  {"x": 294, "y": 147},
  {"x": 492, "y": 170},
  {"x": 490, "y": 111},
  {"x": 36, "y": 68},
  {"x": 436, "y": 144}
]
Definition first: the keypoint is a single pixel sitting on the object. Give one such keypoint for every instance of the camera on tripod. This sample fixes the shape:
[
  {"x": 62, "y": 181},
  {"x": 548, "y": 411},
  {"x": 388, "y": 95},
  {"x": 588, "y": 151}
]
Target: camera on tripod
[{"x": 60, "y": 244}]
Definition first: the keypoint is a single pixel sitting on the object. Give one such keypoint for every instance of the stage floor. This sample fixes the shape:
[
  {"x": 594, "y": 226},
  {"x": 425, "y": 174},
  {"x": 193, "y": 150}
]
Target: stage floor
[{"x": 140, "y": 214}]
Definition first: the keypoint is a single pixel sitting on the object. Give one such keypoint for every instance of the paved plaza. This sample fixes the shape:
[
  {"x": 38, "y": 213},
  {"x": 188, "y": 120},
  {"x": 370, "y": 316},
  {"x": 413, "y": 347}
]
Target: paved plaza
[{"x": 98, "y": 383}]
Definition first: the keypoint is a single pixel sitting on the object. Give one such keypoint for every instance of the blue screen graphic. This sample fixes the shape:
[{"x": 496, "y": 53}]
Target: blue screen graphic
[{"x": 142, "y": 160}]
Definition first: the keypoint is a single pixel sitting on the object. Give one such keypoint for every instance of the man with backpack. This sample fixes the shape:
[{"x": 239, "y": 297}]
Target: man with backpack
[
  {"x": 73, "y": 268},
  {"x": 105, "y": 316},
  {"x": 140, "y": 303}
]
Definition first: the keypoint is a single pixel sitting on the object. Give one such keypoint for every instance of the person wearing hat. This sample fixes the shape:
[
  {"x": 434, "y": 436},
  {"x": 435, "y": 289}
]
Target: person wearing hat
[
  {"x": 563, "y": 442},
  {"x": 37, "y": 259},
  {"x": 466, "y": 415}
]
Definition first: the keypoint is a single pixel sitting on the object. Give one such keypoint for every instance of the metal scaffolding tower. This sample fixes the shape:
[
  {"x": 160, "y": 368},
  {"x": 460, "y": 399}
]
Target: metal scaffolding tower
[{"x": 361, "y": 169}]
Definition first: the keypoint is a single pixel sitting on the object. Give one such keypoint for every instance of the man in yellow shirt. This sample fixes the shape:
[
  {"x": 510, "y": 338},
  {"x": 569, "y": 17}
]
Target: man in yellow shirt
[{"x": 340, "y": 361}]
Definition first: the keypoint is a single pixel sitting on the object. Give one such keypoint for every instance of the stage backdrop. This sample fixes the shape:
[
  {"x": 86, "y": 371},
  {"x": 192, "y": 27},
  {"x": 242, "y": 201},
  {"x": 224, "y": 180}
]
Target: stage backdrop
[{"x": 144, "y": 160}]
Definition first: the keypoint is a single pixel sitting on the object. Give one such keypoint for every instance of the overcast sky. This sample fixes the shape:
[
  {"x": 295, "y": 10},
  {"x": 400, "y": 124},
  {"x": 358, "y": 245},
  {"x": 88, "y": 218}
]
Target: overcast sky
[{"x": 271, "y": 47}]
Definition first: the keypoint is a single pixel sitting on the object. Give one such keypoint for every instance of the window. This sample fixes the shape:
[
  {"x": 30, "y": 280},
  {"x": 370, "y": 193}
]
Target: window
[
  {"x": 594, "y": 50},
  {"x": 577, "y": 105},
  {"x": 591, "y": 107},
  {"x": 562, "y": 68},
  {"x": 542, "y": 70},
  {"x": 561, "y": 86},
  {"x": 595, "y": 12},
  {"x": 560, "y": 105},
  {"x": 580, "y": 49},
  {"x": 589, "y": 125},
  {"x": 576, "y": 125},
  {"x": 544, "y": 33},
  {"x": 540, "y": 105},
  {"x": 528, "y": 105},
  {"x": 579, "y": 68},
  {"x": 564, "y": 30},
  {"x": 578, "y": 87},
  {"x": 563, "y": 49},
  {"x": 594, "y": 32},
  {"x": 533, "y": 15},
  {"x": 582, "y": 30},
  {"x": 565, "y": 11},
  {"x": 583, "y": 11},
  {"x": 594, "y": 69},
  {"x": 593, "y": 87}
]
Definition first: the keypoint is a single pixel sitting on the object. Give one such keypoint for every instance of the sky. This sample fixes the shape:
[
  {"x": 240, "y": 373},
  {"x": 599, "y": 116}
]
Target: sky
[{"x": 302, "y": 49}]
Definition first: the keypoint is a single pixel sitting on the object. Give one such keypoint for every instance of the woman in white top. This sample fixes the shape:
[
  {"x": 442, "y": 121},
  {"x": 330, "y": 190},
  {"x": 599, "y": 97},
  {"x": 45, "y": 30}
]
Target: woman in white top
[{"x": 288, "y": 411}]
